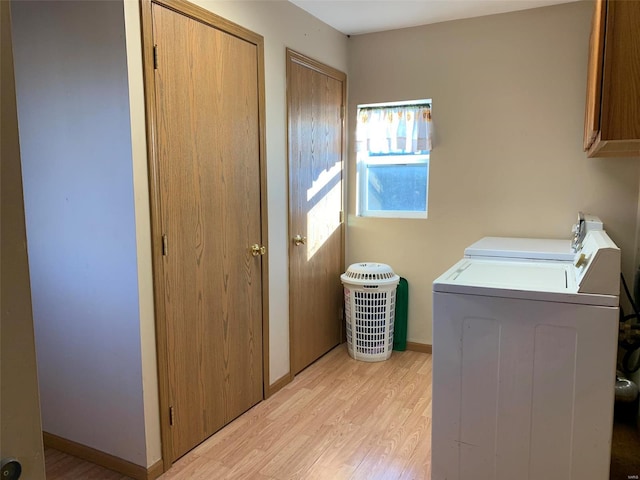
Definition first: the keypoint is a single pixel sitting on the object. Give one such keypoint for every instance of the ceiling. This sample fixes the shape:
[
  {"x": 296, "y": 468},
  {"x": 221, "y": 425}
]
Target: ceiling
[{"x": 354, "y": 17}]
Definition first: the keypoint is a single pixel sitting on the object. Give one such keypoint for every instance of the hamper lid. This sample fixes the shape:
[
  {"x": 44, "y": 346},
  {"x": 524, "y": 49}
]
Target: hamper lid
[{"x": 369, "y": 273}]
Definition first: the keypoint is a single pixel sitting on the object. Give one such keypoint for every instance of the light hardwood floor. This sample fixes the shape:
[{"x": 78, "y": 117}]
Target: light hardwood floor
[
  {"x": 339, "y": 419},
  {"x": 61, "y": 466}
]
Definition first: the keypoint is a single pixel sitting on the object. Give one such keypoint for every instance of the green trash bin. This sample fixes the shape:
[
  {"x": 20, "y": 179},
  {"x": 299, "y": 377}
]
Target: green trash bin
[{"x": 402, "y": 312}]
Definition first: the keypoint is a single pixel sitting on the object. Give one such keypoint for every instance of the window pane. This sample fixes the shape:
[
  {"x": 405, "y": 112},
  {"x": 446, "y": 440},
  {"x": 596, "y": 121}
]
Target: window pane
[{"x": 397, "y": 187}]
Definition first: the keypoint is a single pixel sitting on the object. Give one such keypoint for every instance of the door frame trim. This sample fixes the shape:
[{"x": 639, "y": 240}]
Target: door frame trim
[
  {"x": 205, "y": 16},
  {"x": 295, "y": 57}
]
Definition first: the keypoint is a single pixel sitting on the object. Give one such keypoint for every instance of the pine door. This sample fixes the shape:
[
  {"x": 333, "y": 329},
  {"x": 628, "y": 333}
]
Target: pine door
[
  {"x": 209, "y": 189},
  {"x": 315, "y": 95}
]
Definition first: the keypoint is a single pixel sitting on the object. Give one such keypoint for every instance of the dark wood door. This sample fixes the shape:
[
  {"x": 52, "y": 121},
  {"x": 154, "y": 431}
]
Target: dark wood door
[
  {"x": 206, "y": 90},
  {"x": 315, "y": 97}
]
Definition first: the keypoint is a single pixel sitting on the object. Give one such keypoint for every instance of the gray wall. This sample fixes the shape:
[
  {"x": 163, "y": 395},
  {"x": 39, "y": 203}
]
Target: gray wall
[
  {"x": 508, "y": 107},
  {"x": 73, "y": 112}
]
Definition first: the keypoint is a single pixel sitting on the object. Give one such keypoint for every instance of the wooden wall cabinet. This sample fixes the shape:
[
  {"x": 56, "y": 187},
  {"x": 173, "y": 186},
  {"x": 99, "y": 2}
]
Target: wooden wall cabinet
[{"x": 612, "y": 114}]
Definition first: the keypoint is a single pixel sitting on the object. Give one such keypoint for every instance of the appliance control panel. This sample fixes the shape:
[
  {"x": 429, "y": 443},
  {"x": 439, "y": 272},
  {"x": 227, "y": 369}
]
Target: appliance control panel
[
  {"x": 586, "y": 223},
  {"x": 597, "y": 265}
]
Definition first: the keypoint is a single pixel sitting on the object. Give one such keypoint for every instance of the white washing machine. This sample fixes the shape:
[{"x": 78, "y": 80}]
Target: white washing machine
[{"x": 524, "y": 358}]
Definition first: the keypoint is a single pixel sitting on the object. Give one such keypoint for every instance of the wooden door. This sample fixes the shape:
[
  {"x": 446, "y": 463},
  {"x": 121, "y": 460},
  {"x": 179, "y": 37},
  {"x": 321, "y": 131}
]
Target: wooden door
[
  {"x": 208, "y": 177},
  {"x": 315, "y": 97},
  {"x": 21, "y": 433}
]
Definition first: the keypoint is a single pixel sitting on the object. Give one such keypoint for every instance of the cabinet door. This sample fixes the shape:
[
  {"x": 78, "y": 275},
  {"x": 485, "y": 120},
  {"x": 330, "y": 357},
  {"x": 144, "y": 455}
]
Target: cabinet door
[
  {"x": 594, "y": 74},
  {"x": 612, "y": 117},
  {"x": 620, "y": 116}
]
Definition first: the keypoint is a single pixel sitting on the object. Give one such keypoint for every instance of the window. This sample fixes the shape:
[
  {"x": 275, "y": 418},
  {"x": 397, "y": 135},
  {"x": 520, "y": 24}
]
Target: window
[{"x": 393, "y": 143}]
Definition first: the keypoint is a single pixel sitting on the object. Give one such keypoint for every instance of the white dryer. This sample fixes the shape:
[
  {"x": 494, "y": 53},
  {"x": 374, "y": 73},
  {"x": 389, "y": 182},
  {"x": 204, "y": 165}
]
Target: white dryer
[
  {"x": 524, "y": 357},
  {"x": 543, "y": 249},
  {"x": 505, "y": 248}
]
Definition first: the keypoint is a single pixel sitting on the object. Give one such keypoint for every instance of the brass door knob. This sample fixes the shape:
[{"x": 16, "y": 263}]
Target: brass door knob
[
  {"x": 258, "y": 249},
  {"x": 299, "y": 240}
]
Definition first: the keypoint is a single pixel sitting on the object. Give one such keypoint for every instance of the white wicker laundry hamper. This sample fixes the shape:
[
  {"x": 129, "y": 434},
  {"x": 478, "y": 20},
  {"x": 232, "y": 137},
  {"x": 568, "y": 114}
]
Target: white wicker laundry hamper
[{"x": 369, "y": 298}]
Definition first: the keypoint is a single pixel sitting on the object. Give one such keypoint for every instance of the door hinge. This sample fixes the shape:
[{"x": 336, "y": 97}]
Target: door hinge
[
  {"x": 155, "y": 57},
  {"x": 341, "y": 216},
  {"x": 342, "y": 109},
  {"x": 165, "y": 245},
  {"x": 171, "y": 416}
]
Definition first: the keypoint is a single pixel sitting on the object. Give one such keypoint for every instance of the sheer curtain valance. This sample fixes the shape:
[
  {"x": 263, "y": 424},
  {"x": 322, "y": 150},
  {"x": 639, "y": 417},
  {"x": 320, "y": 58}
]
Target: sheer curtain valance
[{"x": 396, "y": 129}]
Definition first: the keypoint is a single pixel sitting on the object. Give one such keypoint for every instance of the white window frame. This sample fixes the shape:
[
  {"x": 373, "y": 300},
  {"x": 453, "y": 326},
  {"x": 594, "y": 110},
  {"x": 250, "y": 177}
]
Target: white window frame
[{"x": 364, "y": 160}]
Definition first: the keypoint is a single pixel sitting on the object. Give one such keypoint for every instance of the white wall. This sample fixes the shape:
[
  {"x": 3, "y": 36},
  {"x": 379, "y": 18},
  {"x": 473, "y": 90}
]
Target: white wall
[
  {"x": 73, "y": 112},
  {"x": 20, "y": 435},
  {"x": 282, "y": 25},
  {"x": 508, "y": 106}
]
